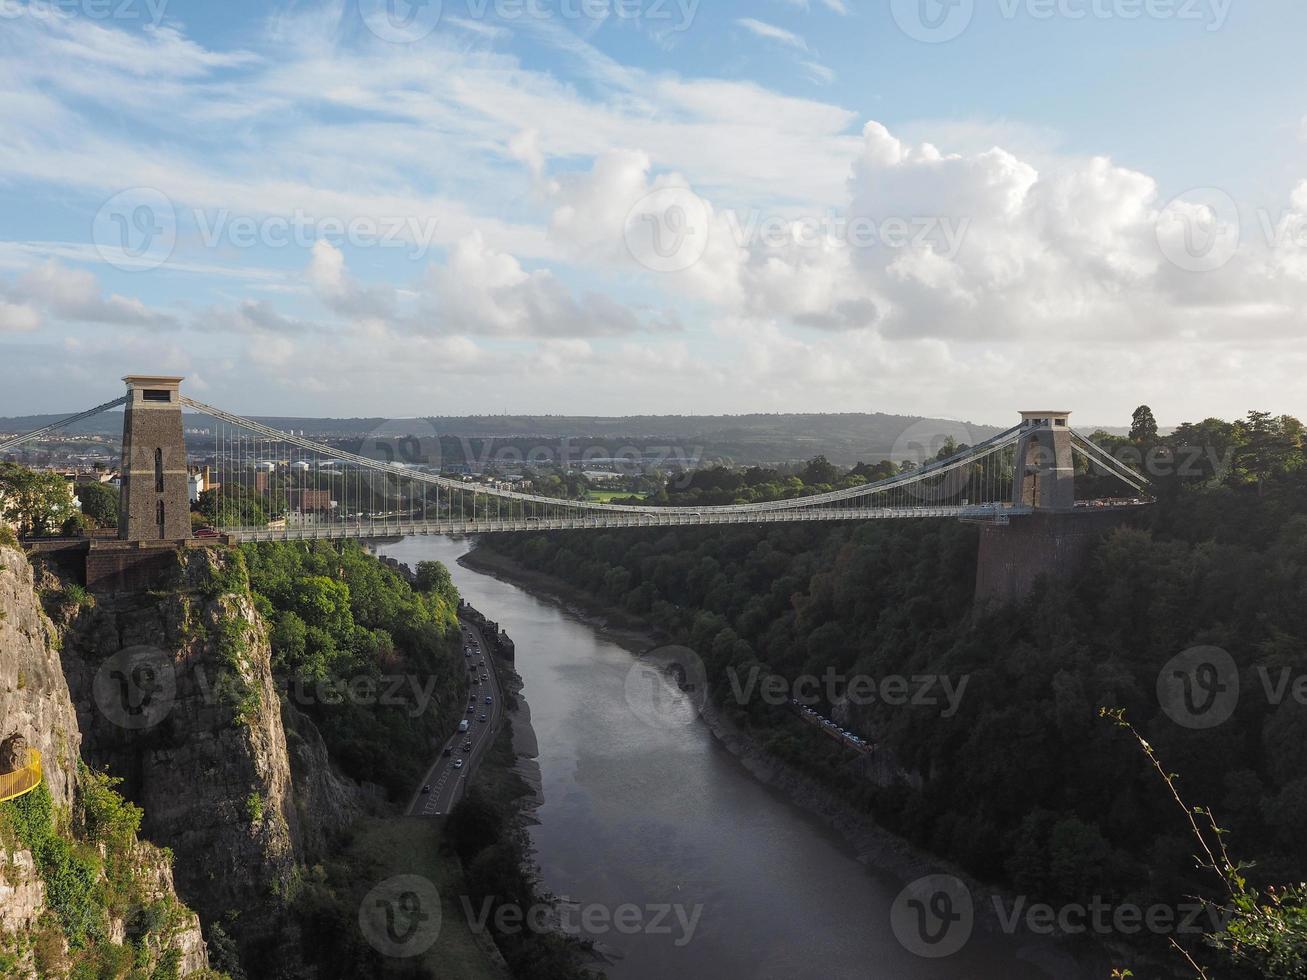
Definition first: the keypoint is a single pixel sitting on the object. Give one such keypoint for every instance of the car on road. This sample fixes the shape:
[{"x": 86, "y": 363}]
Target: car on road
[
  {"x": 458, "y": 763},
  {"x": 471, "y": 708},
  {"x": 481, "y": 664},
  {"x": 467, "y": 746},
  {"x": 449, "y": 750},
  {"x": 485, "y": 677},
  {"x": 489, "y": 701},
  {"x": 483, "y": 716},
  {"x": 426, "y": 790}
]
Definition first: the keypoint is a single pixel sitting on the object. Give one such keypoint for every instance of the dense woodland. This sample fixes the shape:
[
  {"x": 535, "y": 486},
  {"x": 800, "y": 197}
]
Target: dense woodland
[
  {"x": 339, "y": 618},
  {"x": 1026, "y": 785}
]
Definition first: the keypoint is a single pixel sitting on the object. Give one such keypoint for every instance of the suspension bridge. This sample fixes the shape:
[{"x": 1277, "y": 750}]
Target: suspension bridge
[{"x": 276, "y": 485}]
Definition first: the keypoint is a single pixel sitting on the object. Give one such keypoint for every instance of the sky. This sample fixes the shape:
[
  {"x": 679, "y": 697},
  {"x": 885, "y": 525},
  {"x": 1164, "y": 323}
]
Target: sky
[{"x": 951, "y": 208}]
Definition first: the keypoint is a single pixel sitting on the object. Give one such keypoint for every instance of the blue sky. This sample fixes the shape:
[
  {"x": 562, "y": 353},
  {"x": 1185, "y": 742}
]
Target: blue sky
[{"x": 944, "y": 207}]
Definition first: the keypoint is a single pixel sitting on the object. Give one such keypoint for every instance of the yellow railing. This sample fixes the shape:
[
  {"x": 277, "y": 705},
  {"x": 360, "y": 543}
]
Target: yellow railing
[{"x": 20, "y": 781}]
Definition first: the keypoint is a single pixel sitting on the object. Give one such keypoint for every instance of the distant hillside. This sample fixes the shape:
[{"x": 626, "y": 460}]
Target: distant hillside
[{"x": 745, "y": 439}]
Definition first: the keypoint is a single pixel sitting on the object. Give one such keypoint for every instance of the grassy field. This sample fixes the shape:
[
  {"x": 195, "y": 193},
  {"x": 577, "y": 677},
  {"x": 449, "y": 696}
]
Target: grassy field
[
  {"x": 413, "y": 845},
  {"x": 608, "y": 496}
]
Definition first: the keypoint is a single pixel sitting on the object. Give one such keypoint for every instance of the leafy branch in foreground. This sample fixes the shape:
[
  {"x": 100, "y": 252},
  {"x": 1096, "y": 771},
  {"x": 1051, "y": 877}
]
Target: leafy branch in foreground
[{"x": 1266, "y": 933}]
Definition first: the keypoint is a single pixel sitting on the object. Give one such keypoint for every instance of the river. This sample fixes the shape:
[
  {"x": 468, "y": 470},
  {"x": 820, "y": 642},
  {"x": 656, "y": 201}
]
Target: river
[{"x": 651, "y": 816}]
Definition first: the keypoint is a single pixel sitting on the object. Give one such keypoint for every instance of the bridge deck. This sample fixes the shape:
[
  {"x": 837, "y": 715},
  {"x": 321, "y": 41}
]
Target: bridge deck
[{"x": 378, "y": 529}]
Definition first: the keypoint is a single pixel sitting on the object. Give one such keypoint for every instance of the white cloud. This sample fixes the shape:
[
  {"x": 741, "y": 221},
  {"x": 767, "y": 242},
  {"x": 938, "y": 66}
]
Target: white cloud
[
  {"x": 818, "y": 72},
  {"x": 486, "y": 292},
  {"x": 75, "y": 295},
  {"x": 772, "y": 33},
  {"x": 17, "y": 317}
]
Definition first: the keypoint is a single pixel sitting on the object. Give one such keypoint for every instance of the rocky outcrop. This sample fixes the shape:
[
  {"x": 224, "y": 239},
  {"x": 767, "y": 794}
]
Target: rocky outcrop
[
  {"x": 36, "y": 711},
  {"x": 34, "y": 701},
  {"x": 182, "y": 932},
  {"x": 174, "y": 692},
  {"x": 22, "y": 892},
  {"x": 326, "y": 802}
]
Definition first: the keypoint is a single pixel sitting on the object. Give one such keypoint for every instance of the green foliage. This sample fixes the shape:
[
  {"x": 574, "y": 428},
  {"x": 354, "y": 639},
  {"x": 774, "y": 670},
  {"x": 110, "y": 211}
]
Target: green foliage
[
  {"x": 8, "y": 538},
  {"x": 91, "y": 867},
  {"x": 233, "y": 506},
  {"x": 236, "y": 685},
  {"x": 225, "y": 573},
  {"x": 69, "y": 869},
  {"x": 39, "y": 503},
  {"x": 433, "y": 576},
  {"x": 1266, "y": 934},
  {"x": 1143, "y": 426},
  {"x": 343, "y": 623},
  {"x": 77, "y": 595},
  {"x": 99, "y": 503},
  {"x": 254, "y": 808}
]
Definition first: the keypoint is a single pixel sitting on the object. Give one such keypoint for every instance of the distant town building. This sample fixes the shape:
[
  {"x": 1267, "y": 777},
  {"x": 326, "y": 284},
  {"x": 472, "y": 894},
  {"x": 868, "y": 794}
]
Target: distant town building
[{"x": 309, "y": 500}]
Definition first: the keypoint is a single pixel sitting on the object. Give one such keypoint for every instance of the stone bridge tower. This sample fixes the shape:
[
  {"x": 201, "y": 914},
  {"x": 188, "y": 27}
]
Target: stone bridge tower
[
  {"x": 154, "y": 504},
  {"x": 1045, "y": 471},
  {"x": 1053, "y": 539}
]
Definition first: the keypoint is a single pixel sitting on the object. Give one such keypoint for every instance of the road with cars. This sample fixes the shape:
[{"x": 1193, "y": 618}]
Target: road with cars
[{"x": 446, "y": 781}]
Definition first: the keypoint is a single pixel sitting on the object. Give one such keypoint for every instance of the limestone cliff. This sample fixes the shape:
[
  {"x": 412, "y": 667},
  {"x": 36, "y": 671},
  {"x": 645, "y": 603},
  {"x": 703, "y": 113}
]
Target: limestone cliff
[
  {"x": 326, "y": 803},
  {"x": 190, "y": 718},
  {"x": 34, "y": 701},
  {"x": 144, "y": 920}
]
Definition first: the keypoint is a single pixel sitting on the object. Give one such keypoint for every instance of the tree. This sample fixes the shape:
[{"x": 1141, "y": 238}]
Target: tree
[
  {"x": 433, "y": 576},
  {"x": 819, "y": 471},
  {"x": 1271, "y": 446},
  {"x": 1143, "y": 426},
  {"x": 233, "y": 506},
  {"x": 99, "y": 502},
  {"x": 39, "y": 503}
]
